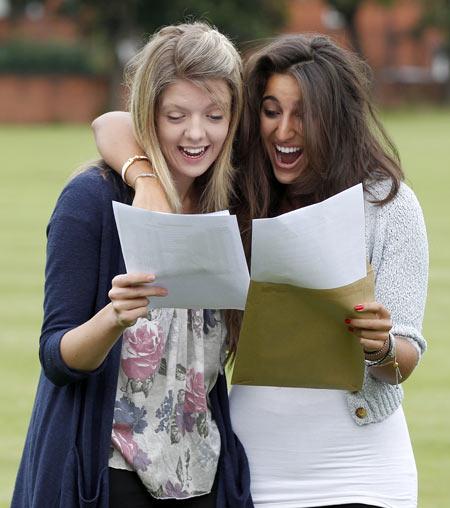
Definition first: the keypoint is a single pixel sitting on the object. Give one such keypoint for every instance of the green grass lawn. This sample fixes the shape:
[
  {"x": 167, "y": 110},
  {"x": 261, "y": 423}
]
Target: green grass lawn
[
  {"x": 423, "y": 139},
  {"x": 36, "y": 161}
]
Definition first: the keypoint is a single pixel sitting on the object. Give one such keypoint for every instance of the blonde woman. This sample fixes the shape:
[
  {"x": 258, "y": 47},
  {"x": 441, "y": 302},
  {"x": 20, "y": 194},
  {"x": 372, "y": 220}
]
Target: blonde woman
[{"x": 131, "y": 409}]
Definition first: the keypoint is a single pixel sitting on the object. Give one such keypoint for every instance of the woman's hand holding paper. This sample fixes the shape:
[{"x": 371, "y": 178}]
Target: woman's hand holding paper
[
  {"x": 373, "y": 327},
  {"x": 130, "y": 294}
]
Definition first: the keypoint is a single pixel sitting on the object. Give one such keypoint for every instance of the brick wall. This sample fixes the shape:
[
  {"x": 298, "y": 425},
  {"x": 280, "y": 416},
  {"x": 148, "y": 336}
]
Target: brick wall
[
  {"x": 385, "y": 38},
  {"x": 26, "y": 99},
  {"x": 385, "y": 33},
  {"x": 401, "y": 61}
]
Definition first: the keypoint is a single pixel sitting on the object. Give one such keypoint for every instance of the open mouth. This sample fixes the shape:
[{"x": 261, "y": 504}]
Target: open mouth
[
  {"x": 288, "y": 155},
  {"x": 193, "y": 152}
]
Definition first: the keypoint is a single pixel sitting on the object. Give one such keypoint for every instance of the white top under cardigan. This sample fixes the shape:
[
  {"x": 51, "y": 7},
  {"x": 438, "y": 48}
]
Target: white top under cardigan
[{"x": 311, "y": 448}]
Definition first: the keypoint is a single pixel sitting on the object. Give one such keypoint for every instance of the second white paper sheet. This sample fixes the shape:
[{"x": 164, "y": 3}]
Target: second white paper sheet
[
  {"x": 321, "y": 246},
  {"x": 198, "y": 258}
]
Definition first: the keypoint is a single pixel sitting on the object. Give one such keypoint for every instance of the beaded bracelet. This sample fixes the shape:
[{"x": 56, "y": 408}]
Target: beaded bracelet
[
  {"x": 390, "y": 358},
  {"x": 379, "y": 354}
]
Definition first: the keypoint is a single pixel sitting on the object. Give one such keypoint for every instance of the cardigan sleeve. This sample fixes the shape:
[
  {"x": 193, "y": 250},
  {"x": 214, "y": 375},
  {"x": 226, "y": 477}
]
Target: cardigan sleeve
[
  {"x": 72, "y": 270},
  {"x": 402, "y": 276}
]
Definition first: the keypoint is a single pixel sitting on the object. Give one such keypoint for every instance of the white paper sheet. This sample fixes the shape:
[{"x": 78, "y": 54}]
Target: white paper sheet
[
  {"x": 321, "y": 246},
  {"x": 198, "y": 258}
]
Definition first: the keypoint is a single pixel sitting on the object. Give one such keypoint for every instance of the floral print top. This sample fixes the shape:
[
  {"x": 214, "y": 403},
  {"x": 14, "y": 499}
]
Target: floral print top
[{"x": 162, "y": 426}]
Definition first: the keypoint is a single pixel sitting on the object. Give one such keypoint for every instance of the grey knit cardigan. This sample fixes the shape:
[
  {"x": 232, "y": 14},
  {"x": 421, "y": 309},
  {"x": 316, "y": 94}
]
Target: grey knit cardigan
[{"x": 397, "y": 249}]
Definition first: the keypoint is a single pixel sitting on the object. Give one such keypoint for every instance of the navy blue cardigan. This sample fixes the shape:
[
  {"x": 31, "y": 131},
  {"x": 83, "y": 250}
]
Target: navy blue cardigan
[{"x": 65, "y": 459}]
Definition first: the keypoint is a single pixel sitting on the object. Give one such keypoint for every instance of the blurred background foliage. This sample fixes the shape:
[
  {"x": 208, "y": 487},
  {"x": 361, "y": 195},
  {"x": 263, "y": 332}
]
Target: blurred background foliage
[
  {"x": 108, "y": 33},
  {"x": 50, "y": 57},
  {"x": 115, "y": 29}
]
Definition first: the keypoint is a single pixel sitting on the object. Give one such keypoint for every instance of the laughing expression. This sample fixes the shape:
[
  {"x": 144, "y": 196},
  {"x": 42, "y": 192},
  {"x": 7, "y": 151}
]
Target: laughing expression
[
  {"x": 282, "y": 127},
  {"x": 192, "y": 127}
]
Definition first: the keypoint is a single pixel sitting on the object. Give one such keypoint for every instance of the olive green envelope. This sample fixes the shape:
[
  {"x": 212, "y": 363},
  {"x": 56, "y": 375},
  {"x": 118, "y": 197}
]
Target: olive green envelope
[{"x": 297, "y": 337}]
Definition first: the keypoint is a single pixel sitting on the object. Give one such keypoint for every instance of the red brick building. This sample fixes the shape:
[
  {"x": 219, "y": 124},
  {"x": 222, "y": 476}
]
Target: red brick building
[
  {"x": 48, "y": 97},
  {"x": 406, "y": 66}
]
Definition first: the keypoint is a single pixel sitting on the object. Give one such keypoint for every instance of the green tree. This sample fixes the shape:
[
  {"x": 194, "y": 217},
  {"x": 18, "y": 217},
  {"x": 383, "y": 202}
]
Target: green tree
[{"x": 437, "y": 13}]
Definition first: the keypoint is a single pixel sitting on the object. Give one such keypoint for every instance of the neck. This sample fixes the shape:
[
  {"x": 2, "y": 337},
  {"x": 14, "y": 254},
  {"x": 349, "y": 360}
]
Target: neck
[
  {"x": 188, "y": 194},
  {"x": 190, "y": 203}
]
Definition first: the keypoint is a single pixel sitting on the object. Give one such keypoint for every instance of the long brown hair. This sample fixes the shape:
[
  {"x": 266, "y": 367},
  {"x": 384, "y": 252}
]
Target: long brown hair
[{"x": 344, "y": 142}]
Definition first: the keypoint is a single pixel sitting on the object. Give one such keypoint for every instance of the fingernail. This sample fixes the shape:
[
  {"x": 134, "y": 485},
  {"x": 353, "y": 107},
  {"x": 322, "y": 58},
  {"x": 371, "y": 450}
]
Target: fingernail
[
  {"x": 151, "y": 278},
  {"x": 359, "y": 307},
  {"x": 347, "y": 321},
  {"x": 350, "y": 329}
]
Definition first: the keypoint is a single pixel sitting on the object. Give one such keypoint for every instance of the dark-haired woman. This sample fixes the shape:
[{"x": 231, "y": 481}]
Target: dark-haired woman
[
  {"x": 309, "y": 131},
  {"x": 309, "y": 101}
]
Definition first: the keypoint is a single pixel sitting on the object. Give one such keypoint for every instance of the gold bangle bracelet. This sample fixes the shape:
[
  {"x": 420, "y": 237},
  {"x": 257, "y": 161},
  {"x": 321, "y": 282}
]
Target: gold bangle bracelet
[
  {"x": 143, "y": 175},
  {"x": 129, "y": 162}
]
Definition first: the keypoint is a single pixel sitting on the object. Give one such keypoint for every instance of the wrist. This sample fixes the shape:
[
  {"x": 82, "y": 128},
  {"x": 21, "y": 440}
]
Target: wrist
[
  {"x": 112, "y": 321},
  {"x": 150, "y": 195},
  {"x": 142, "y": 176},
  {"x": 135, "y": 169},
  {"x": 389, "y": 359},
  {"x": 385, "y": 356},
  {"x": 146, "y": 183},
  {"x": 379, "y": 354}
]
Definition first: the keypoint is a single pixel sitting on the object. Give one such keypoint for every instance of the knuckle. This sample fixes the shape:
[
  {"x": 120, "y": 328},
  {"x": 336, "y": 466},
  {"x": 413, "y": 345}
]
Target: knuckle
[
  {"x": 123, "y": 322},
  {"x": 144, "y": 312},
  {"x": 114, "y": 293},
  {"x": 124, "y": 319},
  {"x": 118, "y": 307}
]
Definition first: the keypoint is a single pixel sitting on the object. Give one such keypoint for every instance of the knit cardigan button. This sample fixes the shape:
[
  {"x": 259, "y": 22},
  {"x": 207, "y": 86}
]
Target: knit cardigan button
[{"x": 361, "y": 412}]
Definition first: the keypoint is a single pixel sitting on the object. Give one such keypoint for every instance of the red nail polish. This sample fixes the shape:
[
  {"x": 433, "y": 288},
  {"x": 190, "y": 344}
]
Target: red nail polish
[
  {"x": 359, "y": 307},
  {"x": 350, "y": 329},
  {"x": 347, "y": 321}
]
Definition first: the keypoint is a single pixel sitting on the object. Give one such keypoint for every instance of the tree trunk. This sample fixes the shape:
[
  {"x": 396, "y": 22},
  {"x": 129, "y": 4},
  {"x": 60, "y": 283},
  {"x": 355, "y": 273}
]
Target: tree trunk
[
  {"x": 353, "y": 32},
  {"x": 120, "y": 25}
]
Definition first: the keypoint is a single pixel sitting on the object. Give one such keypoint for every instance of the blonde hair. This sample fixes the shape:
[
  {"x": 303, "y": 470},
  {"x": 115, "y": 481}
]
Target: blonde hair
[{"x": 195, "y": 52}]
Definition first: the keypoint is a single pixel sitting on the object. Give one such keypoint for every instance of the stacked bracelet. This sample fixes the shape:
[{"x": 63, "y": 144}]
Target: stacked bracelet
[
  {"x": 389, "y": 358},
  {"x": 385, "y": 355},
  {"x": 379, "y": 354},
  {"x": 129, "y": 162}
]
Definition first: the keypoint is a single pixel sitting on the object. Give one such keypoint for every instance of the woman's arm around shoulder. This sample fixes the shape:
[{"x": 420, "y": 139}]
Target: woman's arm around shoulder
[{"x": 115, "y": 141}]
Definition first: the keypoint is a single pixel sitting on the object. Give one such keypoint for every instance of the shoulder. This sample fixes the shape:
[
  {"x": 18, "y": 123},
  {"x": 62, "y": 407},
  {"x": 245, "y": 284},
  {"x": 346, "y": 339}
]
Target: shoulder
[
  {"x": 89, "y": 192},
  {"x": 404, "y": 206},
  {"x": 93, "y": 182},
  {"x": 398, "y": 222}
]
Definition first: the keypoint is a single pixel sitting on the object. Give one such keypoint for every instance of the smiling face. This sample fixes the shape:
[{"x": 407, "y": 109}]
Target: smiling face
[
  {"x": 282, "y": 127},
  {"x": 192, "y": 127}
]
